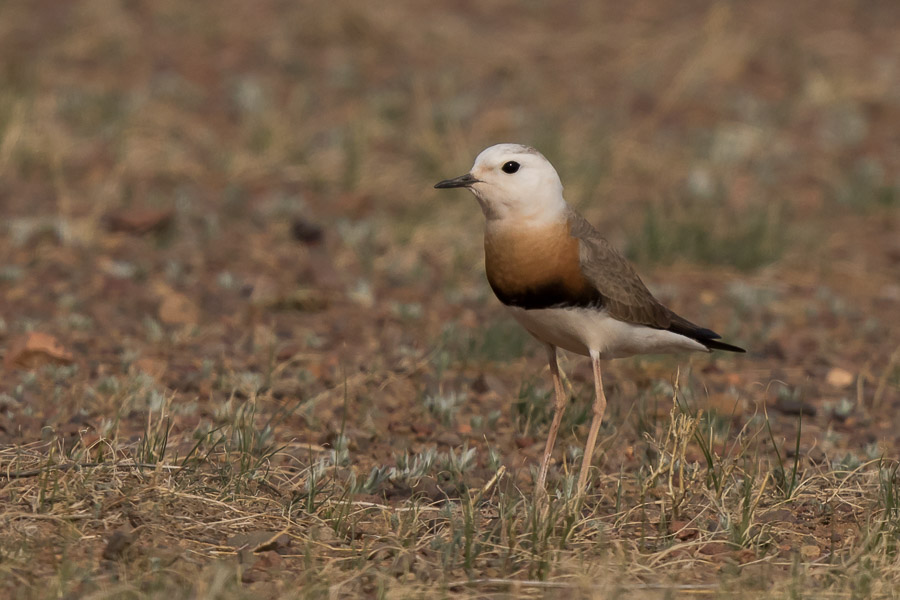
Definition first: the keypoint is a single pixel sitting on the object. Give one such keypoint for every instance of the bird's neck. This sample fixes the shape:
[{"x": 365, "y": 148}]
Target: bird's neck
[{"x": 503, "y": 210}]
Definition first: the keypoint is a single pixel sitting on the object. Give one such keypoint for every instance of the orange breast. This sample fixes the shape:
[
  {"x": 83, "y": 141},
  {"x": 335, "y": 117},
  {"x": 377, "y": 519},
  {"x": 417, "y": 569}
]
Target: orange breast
[{"x": 523, "y": 264}]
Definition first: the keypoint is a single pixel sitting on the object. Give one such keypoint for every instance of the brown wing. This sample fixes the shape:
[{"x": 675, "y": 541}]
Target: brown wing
[{"x": 624, "y": 294}]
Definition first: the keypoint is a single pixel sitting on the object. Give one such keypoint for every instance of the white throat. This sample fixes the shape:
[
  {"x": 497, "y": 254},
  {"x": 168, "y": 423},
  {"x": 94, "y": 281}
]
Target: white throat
[{"x": 541, "y": 207}]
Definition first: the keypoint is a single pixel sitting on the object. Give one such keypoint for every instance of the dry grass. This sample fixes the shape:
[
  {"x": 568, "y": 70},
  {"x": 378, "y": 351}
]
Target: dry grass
[
  {"x": 223, "y": 520},
  {"x": 253, "y": 411}
]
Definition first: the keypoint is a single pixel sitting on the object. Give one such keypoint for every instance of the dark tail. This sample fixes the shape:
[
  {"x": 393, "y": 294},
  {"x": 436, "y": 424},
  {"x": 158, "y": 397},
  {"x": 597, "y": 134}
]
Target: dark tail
[
  {"x": 717, "y": 345},
  {"x": 707, "y": 337}
]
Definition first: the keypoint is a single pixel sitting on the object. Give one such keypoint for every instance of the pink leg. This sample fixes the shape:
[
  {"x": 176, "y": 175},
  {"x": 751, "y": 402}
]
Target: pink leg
[
  {"x": 599, "y": 408},
  {"x": 558, "y": 409}
]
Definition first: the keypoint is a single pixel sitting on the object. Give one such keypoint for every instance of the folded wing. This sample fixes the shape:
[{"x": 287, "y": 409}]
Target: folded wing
[{"x": 624, "y": 295}]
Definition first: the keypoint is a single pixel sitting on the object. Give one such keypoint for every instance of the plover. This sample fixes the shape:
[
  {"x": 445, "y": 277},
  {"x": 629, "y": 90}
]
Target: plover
[{"x": 563, "y": 282}]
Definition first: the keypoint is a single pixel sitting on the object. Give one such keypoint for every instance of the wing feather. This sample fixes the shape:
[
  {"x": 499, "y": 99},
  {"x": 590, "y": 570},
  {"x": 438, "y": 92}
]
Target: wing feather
[{"x": 624, "y": 294}]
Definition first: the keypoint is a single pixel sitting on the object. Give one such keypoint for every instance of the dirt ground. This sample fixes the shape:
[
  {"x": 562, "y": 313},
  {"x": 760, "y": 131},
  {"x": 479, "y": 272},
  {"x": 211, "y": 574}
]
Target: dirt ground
[{"x": 248, "y": 351}]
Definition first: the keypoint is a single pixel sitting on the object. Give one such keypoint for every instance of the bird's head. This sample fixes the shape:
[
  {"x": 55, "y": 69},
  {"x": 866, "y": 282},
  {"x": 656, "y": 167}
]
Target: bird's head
[{"x": 513, "y": 182}]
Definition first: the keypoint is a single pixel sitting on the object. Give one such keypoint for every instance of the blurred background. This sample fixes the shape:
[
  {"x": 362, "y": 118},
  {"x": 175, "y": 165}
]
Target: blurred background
[
  {"x": 283, "y": 153},
  {"x": 208, "y": 202}
]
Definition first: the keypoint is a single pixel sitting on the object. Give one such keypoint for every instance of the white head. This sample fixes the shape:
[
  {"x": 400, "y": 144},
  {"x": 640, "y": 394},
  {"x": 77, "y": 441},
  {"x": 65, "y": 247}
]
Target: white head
[{"x": 514, "y": 182}]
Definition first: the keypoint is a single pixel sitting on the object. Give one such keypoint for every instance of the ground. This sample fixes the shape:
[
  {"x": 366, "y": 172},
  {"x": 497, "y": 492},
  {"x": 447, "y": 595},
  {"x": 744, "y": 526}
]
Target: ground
[{"x": 248, "y": 351}]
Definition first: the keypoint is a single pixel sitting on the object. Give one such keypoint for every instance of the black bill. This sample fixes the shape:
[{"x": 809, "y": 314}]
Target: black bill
[{"x": 462, "y": 181}]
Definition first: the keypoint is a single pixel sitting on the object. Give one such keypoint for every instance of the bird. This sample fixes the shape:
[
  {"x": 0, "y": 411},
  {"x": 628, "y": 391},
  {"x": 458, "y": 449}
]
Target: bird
[{"x": 564, "y": 282}]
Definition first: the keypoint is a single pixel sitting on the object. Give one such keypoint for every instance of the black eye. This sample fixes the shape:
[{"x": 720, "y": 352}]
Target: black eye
[{"x": 510, "y": 167}]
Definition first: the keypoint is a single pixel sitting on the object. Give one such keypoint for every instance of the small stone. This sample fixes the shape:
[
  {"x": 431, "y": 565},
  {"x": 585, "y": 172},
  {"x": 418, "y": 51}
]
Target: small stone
[
  {"x": 839, "y": 378},
  {"x": 422, "y": 429},
  {"x": 713, "y": 548},
  {"x": 778, "y": 515},
  {"x": 140, "y": 221},
  {"x": 34, "y": 350},
  {"x": 118, "y": 542},
  {"x": 153, "y": 367},
  {"x": 305, "y": 231},
  {"x": 810, "y": 551},
  {"x": 524, "y": 441},
  {"x": 177, "y": 309},
  {"x": 794, "y": 406},
  {"x": 682, "y": 531}
]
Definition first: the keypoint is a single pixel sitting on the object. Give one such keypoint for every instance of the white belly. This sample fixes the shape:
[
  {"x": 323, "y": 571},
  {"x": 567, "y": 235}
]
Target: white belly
[{"x": 581, "y": 330}]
